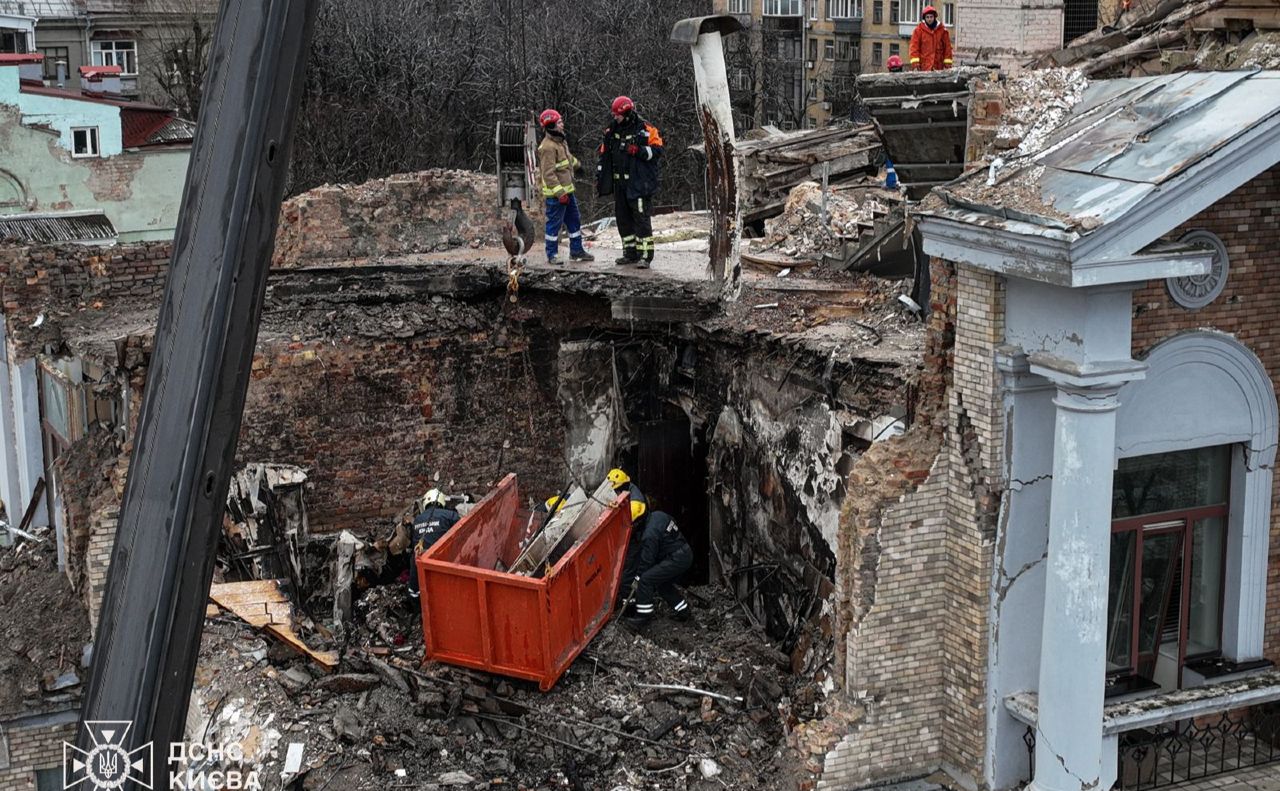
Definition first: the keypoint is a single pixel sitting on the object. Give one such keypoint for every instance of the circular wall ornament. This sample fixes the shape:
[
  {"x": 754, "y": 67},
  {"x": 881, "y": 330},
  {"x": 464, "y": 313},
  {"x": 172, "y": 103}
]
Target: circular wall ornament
[{"x": 1196, "y": 291}]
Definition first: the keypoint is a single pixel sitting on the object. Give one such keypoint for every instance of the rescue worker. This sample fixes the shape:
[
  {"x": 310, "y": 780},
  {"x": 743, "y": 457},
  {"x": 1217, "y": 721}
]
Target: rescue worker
[
  {"x": 628, "y": 170},
  {"x": 930, "y": 43},
  {"x": 555, "y": 174},
  {"x": 429, "y": 527},
  {"x": 894, "y": 63},
  {"x": 664, "y": 557},
  {"x": 621, "y": 483}
]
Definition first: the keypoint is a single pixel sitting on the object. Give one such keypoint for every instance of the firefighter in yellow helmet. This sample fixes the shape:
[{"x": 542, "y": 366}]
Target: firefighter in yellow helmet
[{"x": 621, "y": 483}]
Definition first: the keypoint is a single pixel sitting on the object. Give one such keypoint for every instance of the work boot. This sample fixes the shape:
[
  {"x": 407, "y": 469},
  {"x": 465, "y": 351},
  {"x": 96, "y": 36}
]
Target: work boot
[
  {"x": 644, "y": 263},
  {"x": 584, "y": 256},
  {"x": 626, "y": 260},
  {"x": 637, "y": 623},
  {"x": 681, "y": 612},
  {"x": 553, "y": 261}
]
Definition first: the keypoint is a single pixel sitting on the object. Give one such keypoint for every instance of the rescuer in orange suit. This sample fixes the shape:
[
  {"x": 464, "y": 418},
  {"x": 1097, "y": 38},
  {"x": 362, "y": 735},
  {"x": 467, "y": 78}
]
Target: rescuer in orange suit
[{"x": 930, "y": 43}]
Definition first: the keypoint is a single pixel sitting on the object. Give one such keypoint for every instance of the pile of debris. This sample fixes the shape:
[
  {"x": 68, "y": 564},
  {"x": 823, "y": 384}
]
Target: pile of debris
[
  {"x": 44, "y": 634},
  {"x": 1035, "y": 103},
  {"x": 811, "y": 224},
  {"x": 772, "y": 163},
  {"x": 701, "y": 705},
  {"x": 402, "y": 214},
  {"x": 1164, "y": 36}
]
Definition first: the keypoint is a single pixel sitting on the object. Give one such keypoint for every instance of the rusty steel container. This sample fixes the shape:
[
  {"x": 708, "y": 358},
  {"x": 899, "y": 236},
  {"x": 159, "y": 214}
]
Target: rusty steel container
[{"x": 477, "y": 616}]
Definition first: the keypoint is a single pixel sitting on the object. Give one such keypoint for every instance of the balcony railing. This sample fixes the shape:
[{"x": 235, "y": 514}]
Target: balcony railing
[{"x": 1188, "y": 735}]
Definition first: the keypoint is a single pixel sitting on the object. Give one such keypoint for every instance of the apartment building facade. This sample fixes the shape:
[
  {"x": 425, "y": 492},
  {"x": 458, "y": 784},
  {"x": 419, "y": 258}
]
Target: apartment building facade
[{"x": 795, "y": 64}]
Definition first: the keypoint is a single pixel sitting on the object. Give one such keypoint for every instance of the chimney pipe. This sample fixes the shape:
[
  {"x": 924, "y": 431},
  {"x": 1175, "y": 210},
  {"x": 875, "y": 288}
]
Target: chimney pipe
[{"x": 704, "y": 35}]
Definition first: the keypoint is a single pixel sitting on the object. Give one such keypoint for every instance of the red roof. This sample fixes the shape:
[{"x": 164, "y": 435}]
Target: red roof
[
  {"x": 98, "y": 72},
  {"x": 137, "y": 126},
  {"x": 13, "y": 58},
  {"x": 140, "y": 123}
]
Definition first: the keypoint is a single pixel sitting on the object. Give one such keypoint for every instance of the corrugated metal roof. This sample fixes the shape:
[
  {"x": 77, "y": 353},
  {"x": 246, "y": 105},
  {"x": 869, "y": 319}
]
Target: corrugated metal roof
[
  {"x": 41, "y": 9},
  {"x": 1123, "y": 141},
  {"x": 175, "y": 130},
  {"x": 45, "y": 228}
]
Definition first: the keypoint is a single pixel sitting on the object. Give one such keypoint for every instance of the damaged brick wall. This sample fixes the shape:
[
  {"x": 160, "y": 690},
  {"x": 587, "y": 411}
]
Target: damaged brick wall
[
  {"x": 916, "y": 548},
  {"x": 1248, "y": 223},
  {"x": 29, "y": 749},
  {"x": 58, "y": 279},
  {"x": 406, "y": 213},
  {"x": 374, "y": 421}
]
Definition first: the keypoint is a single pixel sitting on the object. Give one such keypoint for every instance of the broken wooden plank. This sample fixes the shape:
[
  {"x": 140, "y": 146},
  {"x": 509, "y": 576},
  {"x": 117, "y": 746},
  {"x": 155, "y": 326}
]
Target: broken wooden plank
[{"x": 263, "y": 605}]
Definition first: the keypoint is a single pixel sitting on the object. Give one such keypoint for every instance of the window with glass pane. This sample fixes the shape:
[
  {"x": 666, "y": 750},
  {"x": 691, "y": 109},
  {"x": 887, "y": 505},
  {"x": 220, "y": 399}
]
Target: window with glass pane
[
  {"x": 118, "y": 52},
  {"x": 1168, "y": 550},
  {"x": 1170, "y": 481},
  {"x": 813, "y": 49},
  {"x": 51, "y": 57},
  {"x": 877, "y": 12},
  {"x": 949, "y": 14},
  {"x": 739, "y": 6},
  {"x": 895, "y": 11},
  {"x": 829, "y": 49},
  {"x": 877, "y": 52},
  {"x": 1120, "y": 595},
  {"x": 1204, "y": 593}
]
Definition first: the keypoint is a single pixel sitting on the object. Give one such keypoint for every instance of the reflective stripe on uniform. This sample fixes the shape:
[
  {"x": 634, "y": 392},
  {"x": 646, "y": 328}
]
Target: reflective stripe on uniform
[
  {"x": 576, "y": 235},
  {"x": 648, "y": 150},
  {"x": 564, "y": 163},
  {"x": 551, "y": 238},
  {"x": 644, "y": 609},
  {"x": 915, "y": 60},
  {"x": 626, "y": 239},
  {"x": 682, "y": 606},
  {"x": 946, "y": 60}
]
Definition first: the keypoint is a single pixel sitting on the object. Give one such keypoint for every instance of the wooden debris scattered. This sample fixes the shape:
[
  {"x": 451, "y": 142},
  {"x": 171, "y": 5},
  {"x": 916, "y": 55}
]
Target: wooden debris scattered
[
  {"x": 262, "y": 604},
  {"x": 770, "y": 166}
]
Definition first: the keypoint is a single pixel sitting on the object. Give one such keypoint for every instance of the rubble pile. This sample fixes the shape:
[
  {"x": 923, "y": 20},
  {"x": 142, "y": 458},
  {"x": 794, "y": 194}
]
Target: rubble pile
[
  {"x": 44, "y": 632},
  {"x": 1035, "y": 103},
  {"x": 800, "y": 231},
  {"x": 701, "y": 705},
  {"x": 406, "y": 213},
  {"x": 1165, "y": 36},
  {"x": 771, "y": 163}
]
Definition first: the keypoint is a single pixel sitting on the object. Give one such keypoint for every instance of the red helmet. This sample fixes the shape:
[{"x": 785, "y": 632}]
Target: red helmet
[
  {"x": 928, "y": 10},
  {"x": 894, "y": 62},
  {"x": 622, "y": 105},
  {"x": 549, "y": 117}
]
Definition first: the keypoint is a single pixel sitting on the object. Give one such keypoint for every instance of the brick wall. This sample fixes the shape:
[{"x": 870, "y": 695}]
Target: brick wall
[
  {"x": 434, "y": 404},
  {"x": 1003, "y": 30},
  {"x": 30, "y": 749},
  {"x": 35, "y": 279},
  {"x": 1248, "y": 222}
]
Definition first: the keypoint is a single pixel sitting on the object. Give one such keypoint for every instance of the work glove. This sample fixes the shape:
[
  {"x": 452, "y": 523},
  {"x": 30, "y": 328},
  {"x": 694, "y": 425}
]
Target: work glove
[
  {"x": 633, "y": 149},
  {"x": 564, "y": 198}
]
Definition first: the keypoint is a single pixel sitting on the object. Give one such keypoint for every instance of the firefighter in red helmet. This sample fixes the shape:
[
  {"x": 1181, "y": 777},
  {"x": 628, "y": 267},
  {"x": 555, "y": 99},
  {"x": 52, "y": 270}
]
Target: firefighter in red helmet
[
  {"x": 555, "y": 176},
  {"x": 628, "y": 170},
  {"x": 930, "y": 43}
]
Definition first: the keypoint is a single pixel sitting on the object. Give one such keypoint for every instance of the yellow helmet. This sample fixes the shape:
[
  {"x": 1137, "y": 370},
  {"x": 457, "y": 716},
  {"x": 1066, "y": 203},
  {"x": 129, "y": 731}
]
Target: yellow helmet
[
  {"x": 554, "y": 504},
  {"x": 617, "y": 478},
  {"x": 637, "y": 510}
]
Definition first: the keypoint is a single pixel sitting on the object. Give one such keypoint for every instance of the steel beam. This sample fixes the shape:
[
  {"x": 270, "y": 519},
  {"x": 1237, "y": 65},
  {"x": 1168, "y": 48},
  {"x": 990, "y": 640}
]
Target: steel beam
[{"x": 153, "y": 610}]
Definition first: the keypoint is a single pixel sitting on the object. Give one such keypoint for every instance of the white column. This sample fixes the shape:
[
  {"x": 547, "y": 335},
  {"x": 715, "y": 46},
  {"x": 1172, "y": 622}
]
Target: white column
[{"x": 1073, "y": 643}]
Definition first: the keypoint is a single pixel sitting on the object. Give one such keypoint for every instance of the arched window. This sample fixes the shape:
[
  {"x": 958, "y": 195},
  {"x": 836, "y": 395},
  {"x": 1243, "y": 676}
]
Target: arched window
[{"x": 1195, "y": 441}]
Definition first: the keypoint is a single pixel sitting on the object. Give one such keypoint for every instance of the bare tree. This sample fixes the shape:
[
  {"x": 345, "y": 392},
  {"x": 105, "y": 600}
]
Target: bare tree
[{"x": 399, "y": 85}]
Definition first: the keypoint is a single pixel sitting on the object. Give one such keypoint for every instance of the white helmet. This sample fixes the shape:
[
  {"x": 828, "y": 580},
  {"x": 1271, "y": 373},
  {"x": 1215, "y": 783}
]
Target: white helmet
[{"x": 433, "y": 497}]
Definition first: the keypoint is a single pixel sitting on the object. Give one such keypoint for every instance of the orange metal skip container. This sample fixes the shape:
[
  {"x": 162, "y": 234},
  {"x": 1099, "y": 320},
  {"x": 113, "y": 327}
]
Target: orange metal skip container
[{"x": 511, "y": 624}]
